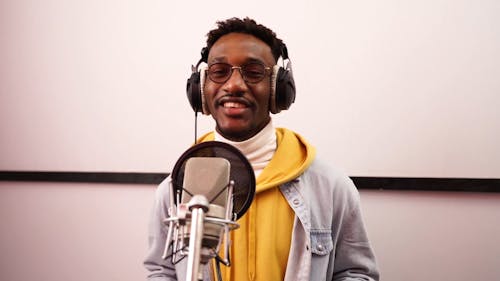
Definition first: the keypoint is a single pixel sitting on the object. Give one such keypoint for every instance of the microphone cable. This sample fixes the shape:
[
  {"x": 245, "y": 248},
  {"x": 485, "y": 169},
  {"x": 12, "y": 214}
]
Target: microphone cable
[{"x": 195, "y": 127}]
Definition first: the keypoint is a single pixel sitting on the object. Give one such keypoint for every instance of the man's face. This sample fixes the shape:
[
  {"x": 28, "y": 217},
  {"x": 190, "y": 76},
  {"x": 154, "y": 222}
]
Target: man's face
[{"x": 240, "y": 109}]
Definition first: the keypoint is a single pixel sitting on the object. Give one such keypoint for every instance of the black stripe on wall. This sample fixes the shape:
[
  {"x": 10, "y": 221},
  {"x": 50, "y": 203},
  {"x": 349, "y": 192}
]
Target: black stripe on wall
[
  {"x": 431, "y": 184},
  {"x": 378, "y": 183},
  {"x": 82, "y": 177}
]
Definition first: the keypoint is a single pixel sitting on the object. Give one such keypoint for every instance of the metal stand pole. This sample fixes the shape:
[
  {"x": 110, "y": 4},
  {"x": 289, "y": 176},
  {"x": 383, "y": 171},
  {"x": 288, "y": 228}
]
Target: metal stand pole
[{"x": 198, "y": 206}]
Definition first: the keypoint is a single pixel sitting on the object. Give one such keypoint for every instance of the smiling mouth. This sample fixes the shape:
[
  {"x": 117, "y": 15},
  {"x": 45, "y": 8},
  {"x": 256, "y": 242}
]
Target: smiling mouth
[{"x": 233, "y": 105}]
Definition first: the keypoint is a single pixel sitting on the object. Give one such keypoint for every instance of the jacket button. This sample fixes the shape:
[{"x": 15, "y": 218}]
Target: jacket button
[
  {"x": 320, "y": 247},
  {"x": 296, "y": 202}
]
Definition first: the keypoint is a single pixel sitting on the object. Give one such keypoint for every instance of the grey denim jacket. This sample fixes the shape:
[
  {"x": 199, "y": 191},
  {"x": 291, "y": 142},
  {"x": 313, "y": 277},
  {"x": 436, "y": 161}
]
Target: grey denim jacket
[{"x": 329, "y": 241}]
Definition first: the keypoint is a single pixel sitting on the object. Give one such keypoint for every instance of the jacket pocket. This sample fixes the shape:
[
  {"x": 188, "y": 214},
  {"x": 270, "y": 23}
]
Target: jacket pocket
[{"x": 321, "y": 242}]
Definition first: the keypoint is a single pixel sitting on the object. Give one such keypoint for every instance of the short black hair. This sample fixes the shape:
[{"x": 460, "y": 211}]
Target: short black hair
[{"x": 247, "y": 26}]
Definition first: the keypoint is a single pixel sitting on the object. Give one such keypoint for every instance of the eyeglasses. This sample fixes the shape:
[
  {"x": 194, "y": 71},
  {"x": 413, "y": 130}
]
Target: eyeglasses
[{"x": 252, "y": 72}]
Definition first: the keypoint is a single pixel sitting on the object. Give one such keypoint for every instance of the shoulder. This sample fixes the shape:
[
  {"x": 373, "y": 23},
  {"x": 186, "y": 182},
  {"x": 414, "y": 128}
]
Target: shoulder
[
  {"x": 323, "y": 179},
  {"x": 164, "y": 187},
  {"x": 162, "y": 194},
  {"x": 326, "y": 171}
]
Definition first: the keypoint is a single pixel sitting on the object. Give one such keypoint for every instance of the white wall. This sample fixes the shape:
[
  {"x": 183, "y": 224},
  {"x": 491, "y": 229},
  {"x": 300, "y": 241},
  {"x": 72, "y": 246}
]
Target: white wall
[
  {"x": 434, "y": 235},
  {"x": 73, "y": 232},
  {"x": 81, "y": 232},
  {"x": 402, "y": 88}
]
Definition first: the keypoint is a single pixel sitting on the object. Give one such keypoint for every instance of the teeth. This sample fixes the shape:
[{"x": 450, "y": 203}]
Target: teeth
[{"x": 233, "y": 105}]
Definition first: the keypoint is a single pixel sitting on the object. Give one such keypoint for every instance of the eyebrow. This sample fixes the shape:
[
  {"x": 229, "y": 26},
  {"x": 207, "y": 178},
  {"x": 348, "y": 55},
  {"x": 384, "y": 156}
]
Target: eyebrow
[
  {"x": 219, "y": 59},
  {"x": 248, "y": 60}
]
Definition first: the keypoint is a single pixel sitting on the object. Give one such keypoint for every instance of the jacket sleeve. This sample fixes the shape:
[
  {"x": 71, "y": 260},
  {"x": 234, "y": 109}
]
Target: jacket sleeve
[
  {"x": 158, "y": 268},
  {"x": 355, "y": 259}
]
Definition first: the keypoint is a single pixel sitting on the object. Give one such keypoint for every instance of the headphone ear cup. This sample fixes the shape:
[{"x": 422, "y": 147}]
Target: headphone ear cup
[
  {"x": 193, "y": 91},
  {"x": 282, "y": 89},
  {"x": 203, "y": 77}
]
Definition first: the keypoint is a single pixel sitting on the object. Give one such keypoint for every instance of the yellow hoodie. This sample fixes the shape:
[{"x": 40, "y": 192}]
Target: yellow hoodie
[{"x": 261, "y": 245}]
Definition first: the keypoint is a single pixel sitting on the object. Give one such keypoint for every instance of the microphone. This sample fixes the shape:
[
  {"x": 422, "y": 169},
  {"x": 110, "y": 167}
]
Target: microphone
[
  {"x": 218, "y": 185},
  {"x": 206, "y": 183}
]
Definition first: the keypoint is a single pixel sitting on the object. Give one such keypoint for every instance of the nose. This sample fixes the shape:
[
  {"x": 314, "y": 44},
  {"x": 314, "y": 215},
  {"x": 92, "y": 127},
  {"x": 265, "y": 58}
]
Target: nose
[{"x": 235, "y": 83}]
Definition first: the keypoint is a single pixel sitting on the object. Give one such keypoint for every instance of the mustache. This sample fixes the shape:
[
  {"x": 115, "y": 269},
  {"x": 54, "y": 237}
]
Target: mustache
[{"x": 233, "y": 98}]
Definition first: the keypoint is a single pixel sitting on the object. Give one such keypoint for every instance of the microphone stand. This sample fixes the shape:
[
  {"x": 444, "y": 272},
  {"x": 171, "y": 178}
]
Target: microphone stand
[
  {"x": 197, "y": 213},
  {"x": 198, "y": 205}
]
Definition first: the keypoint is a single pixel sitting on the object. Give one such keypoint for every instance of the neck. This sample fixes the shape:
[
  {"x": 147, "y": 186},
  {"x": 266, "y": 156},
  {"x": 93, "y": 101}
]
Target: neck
[{"x": 258, "y": 149}]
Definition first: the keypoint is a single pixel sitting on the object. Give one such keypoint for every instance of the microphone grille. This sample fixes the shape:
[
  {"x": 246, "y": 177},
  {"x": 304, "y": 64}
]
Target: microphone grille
[{"x": 208, "y": 176}]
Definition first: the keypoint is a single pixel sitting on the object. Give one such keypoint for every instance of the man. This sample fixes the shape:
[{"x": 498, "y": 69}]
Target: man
[{"x": 305, "y": 221}]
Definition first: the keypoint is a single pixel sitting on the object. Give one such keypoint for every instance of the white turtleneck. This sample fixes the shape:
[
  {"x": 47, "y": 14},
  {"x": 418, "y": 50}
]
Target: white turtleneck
[{"x": 258, "y": 149}]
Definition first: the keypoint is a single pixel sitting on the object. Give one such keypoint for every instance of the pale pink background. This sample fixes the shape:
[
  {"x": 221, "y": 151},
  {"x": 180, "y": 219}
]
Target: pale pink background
[
  {"x": 98, "y": 232},
  {"x": 385, "y": 88}
]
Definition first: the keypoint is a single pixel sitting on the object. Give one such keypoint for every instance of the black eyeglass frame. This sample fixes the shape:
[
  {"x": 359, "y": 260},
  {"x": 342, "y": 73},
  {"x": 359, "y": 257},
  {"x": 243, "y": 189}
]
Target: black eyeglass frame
[{"x": 242, "y": 72}]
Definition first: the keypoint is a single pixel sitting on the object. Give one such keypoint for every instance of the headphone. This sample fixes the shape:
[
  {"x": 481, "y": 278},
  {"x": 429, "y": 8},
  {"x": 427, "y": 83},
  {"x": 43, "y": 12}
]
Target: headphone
[{"x": 282, "y": 85}]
